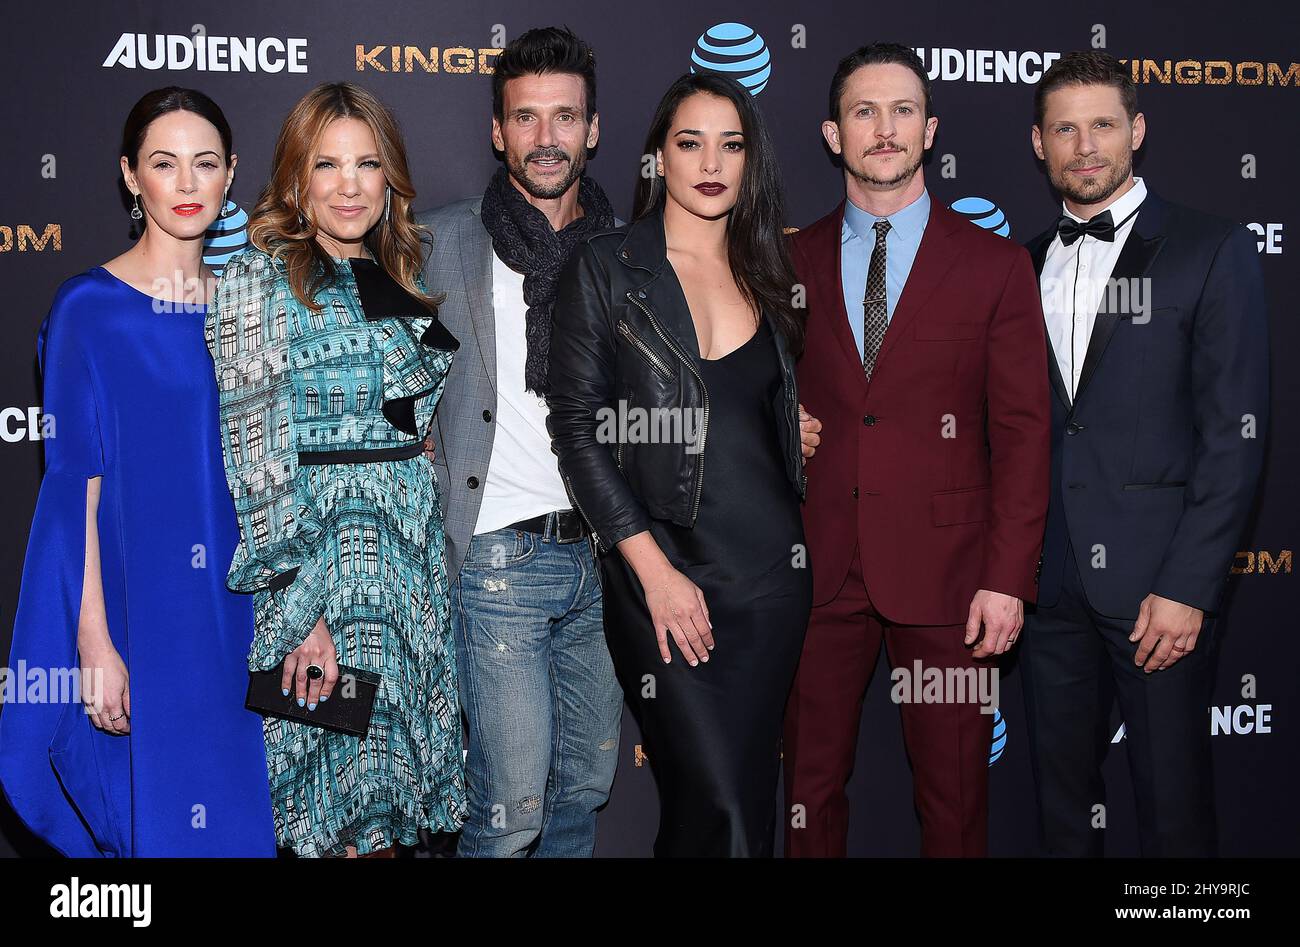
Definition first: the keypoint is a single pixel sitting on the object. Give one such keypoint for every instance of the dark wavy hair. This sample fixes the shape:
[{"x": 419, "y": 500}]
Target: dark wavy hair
[
  {"x": 756, "y": 247},
  {"x": 542, "y": 51}
]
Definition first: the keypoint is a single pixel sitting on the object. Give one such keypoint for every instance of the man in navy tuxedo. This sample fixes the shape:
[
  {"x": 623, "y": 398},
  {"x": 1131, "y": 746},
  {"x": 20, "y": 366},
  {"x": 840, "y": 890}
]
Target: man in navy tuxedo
[{"x": 1158, "y": 362}]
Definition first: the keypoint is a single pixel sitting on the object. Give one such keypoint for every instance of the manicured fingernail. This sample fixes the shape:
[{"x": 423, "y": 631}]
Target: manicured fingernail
[
  {"x": 311, "y": 706},
  {"x": 324, "y": 697},
  {"x": 302, "y": 701},
  {"x": 284, "y": 691}
]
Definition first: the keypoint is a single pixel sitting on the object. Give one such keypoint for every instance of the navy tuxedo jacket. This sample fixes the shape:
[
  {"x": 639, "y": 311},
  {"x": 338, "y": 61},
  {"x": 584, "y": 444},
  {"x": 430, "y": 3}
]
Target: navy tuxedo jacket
[{"x": 1156, "y": 460}]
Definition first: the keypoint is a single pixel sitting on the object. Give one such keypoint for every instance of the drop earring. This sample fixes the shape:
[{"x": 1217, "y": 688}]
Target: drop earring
[
  {"x": 136, "y": 212},
  {"x": 301, "y": 216},
  {"x": 388, "y": 194}
]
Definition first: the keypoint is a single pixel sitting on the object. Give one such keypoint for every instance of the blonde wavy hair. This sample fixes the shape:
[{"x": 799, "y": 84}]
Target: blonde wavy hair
[{"x": 282, "y": 226}]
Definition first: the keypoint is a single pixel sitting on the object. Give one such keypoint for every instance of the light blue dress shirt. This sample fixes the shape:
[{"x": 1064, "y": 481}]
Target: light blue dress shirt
[{"x": 858, "y": 239}]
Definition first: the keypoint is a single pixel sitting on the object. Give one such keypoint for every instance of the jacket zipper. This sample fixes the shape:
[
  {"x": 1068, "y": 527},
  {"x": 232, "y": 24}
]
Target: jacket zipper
[
  {"x": 704, "y": 426},
  {"x": 626, "y": 331},
  {"x": 793, "y": 412},
  {"x": 573, "y": 495},
  {"x": 792, "y": 418}
]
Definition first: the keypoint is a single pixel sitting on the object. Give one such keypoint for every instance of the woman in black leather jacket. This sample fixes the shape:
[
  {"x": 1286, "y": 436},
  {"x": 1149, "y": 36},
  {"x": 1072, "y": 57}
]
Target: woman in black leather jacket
[{"x": 675, "y": 417}]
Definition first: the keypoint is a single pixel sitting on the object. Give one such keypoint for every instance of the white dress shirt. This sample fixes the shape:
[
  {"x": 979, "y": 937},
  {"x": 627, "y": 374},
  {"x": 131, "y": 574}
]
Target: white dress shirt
[
  {"x": 523, "y": 477},
  {"x": 1074, "y": 284}
]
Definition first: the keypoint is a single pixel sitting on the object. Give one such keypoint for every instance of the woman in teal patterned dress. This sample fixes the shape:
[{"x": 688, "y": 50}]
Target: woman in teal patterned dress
[{"x": 330, "y": 361}]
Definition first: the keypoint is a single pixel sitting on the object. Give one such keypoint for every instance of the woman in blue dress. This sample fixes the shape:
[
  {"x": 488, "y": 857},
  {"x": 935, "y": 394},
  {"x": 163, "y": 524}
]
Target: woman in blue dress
[
  {"x": 124, "y": 579},
  {"x": 329, "y": 361}
]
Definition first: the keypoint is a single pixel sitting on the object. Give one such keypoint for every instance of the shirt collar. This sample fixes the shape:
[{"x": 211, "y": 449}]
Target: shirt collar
[
  {"x": 908, "y": 223},
  {"x": 1122, "y": 207}
]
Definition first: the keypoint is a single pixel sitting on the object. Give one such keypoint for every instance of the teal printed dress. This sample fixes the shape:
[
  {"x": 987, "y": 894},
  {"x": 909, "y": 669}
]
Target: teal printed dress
[{"x": 322, "y": 419}]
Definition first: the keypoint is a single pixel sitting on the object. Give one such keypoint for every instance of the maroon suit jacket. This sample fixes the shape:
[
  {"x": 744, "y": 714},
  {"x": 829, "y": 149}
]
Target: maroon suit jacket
[{"x": 938, "y": 468}]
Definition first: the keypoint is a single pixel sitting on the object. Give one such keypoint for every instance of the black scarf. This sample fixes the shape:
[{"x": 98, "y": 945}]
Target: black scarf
[{"x": 522, "y": 237}]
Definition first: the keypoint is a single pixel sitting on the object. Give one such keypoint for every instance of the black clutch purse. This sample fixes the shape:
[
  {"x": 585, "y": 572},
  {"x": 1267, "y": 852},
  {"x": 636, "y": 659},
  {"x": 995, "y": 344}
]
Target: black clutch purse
[{"x": 347, "y": 710}]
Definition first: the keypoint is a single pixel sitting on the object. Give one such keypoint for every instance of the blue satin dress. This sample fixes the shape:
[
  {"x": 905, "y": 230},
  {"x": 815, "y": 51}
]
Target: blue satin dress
[{"x": 131, "y": 394}]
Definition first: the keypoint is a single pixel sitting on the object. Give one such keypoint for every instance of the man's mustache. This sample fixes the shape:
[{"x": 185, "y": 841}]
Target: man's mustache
[{"x": 902, "y": 148}]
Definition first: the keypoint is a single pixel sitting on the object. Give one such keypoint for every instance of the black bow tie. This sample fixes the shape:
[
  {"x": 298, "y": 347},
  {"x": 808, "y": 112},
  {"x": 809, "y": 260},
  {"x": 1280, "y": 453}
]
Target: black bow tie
[{"x": 1102, "y": 227}]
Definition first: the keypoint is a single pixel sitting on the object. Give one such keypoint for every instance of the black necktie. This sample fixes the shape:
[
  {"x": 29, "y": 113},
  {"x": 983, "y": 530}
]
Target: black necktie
[
  {"x": 1102, "y": 227},
  {"x": 875, "y": 304}
]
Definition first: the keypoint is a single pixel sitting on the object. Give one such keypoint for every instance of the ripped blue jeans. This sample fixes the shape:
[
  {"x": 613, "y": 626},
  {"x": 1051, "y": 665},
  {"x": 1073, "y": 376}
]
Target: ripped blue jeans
[{"x": 538, "y": 690}]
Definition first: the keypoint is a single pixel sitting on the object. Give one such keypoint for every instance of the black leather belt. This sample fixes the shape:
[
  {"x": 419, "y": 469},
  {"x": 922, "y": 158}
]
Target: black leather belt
[{"x": 567, "y": 526}]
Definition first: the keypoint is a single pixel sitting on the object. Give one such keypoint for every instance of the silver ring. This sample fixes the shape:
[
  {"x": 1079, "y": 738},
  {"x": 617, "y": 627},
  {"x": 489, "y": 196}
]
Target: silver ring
[{"x": 118, "y": 717}]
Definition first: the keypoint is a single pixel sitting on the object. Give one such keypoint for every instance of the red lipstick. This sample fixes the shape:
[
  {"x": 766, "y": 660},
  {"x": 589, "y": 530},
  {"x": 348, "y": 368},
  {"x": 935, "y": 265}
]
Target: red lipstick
[{"x": 711, "y": 188}]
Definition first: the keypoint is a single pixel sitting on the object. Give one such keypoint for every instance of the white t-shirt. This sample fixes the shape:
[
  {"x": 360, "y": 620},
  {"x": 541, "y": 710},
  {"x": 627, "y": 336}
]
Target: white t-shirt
[
  {"x": 523, "y": 478},
  {"x": 1073, "y": 284}
]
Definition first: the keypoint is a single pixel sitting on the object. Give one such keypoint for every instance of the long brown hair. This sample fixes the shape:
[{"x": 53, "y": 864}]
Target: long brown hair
[{"x": 282, "y": 224}]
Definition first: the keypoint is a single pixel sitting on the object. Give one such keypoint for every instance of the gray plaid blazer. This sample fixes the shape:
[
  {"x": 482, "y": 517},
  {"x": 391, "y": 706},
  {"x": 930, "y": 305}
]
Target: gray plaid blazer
[{"x": 460, "y": 265}]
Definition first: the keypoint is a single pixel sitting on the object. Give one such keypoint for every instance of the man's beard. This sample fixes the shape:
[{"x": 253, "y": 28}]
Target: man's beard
[
  {"x": 904, "y": 174},
  {"x": 1096, "y": 189},
  {"x": 518, "y": 166}
]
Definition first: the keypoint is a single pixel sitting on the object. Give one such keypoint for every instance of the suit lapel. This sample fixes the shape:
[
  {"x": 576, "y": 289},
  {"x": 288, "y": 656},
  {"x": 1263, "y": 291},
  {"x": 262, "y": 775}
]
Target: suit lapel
[
  {"x": 1139, "y": 252},
  {"x": 1039, "y": 252},
  {"x": 476, "y": 266},
  {"x": 826, "y": 255}
]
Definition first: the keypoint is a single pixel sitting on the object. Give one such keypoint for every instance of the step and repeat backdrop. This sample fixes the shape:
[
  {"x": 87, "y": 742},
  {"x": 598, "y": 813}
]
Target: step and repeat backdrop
[{"x": 1220, "y": 88}]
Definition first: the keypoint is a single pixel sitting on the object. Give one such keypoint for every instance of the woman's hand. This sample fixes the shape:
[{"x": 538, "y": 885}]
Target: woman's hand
[
  {"x": 317, "y": 649},
  {"x": 677, "y": 608},
  {"x": 428, "y": 448},
  {"x": 105, "y": 684},
  {"x": 676, "y": 604}
]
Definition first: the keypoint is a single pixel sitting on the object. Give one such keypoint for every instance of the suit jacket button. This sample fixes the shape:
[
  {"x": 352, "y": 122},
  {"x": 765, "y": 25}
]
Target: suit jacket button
[
  {"x": 472, "y": 483},
  {"x": 869, "y": 420},
  {"x": 487, "y": 415},
  {"x": 855, "y": 493},
  {"x": 1073, "y": 428}
]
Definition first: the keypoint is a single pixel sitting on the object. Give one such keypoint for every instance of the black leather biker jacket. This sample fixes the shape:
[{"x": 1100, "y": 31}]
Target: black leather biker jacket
[{"x": 623, "y": 339}]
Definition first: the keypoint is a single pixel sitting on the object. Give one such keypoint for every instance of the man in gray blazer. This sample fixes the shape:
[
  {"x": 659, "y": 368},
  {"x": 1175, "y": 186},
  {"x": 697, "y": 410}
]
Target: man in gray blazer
[{"x": 536, "y": 681}]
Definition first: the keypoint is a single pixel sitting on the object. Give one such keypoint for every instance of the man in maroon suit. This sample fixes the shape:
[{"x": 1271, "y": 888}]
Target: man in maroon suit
[{"x": 926, "y": 363}]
